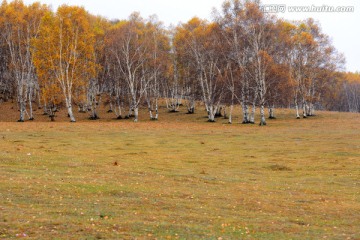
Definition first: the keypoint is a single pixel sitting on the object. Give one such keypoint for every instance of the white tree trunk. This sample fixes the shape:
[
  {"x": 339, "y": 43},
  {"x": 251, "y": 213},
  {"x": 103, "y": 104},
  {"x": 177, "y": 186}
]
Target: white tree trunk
[
  {"x": 297, "y": 110},
  {"x": 244, "y": 103},
  {"x": 22, "y": 110},
  {"x": 136, "y": 114},
  {"x": 271, "y": 113},
  {"x": 31, "y": 117},
  {"x": 230, "y": 114},
  {"x": 262, "y": 115},
  {"x": 304, "y": 109},
  {"x": 191, "y": 106},
  {"x": 312, "y": 110},
  {"x": 211, "y": 113},
  {"x": 252, "y": 116},
  {"x": 307, "y": 109},
  {"x": 31, "y": 110},
  {"x": 151, "y": 114},
  {"x": 119, "y": 111},
  {"x": 70, "y": 111},
  {"x": 245, "y": 108},
  {"x": 156, "y": 110}
]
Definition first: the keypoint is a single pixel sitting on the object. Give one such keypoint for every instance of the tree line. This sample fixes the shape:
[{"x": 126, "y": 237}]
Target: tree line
[{"x": 70, "y": 58}]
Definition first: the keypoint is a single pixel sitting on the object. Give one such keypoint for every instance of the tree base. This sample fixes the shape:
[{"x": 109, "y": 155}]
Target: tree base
[
  {"x": 297, "y": 117},
  {"x": 248, "y": 122},
  {"x": 110, "y": 111},
  {"x": 262, "y": 124},
  {"x": 173, "y": 111},
  {"x": 272, "y": 117},
  {"x": 20, "y": 120},
  {"x": 154, "y": 119},
  {"x": 31, "y": 119},
  {"x": 119, "y": 118},
  {"x": 211, "y": 121},
  {"x": 94, "y": 118}
]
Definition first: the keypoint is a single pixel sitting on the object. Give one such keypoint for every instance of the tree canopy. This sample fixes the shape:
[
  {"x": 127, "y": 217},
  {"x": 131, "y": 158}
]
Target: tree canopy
[{"x": 242, "y": 57}]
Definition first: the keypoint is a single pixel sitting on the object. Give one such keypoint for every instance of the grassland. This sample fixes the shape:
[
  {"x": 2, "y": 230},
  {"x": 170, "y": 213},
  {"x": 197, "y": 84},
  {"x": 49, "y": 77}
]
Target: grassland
[{"x": 181, "y": 178}]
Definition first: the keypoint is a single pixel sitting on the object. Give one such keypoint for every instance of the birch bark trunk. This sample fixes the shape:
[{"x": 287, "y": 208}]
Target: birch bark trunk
[
  {"x": 22, "y": 104},
  {"x": 272, "y": 112},
  {"x": 117, "y": 109},
  {"x": 69, "y": 109},
  {"x": 230, "y": 113},
  {"x": 211, "y": 114},
  {"x": 31, "y": 118},
  {"x": 262, "y": 114},
  {"x": 252, "y": 115},
  {"x": 297, "y": 110},
  {"x": 136, "y": 114},
  {"x": 253, "y": 110},
  {"x": 244, "y": 103},
  {"x": 150, "y": 112},
  {"x": 304, "y": 109}
]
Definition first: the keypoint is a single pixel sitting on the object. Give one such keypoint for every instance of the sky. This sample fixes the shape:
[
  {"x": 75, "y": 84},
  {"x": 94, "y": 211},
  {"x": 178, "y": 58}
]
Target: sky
[{"x": 343, "y": 28}]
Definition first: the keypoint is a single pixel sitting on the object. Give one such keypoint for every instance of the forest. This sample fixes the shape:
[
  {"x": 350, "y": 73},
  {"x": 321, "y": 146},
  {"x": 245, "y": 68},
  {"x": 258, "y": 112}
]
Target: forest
[
  {"x": 126, "y": 175},
  {"x": 243, "y": 57}
]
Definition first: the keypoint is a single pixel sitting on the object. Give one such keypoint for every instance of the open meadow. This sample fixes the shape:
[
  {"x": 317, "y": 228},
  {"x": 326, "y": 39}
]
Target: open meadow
[{"x": 180, "y": 177}]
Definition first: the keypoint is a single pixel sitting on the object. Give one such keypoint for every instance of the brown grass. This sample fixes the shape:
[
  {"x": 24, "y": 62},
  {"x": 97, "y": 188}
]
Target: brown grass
[{"x": 180, "y": 177}]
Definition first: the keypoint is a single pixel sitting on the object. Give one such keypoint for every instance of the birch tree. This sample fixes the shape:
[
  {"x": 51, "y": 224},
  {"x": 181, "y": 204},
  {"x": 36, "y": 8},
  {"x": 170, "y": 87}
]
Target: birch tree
[
  {"x": 204, "y": 42},
  {"x": 20, "y": 24},
  {"x": 129, "y": 48},
  {"x": 64, "y": 51},
  {"x": 232, "y": 20},
  {"x": 313, "y": 58},
  {"x": 97, "y": 86},
  {"x": 157, "y": 64},
  {"x": 259, "y": 35},
  {"x": 351, "y": 91}
]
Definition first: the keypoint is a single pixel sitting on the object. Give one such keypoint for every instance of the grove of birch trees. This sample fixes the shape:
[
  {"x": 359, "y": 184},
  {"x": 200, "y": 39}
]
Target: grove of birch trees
[{"x": 243, "y": 58}]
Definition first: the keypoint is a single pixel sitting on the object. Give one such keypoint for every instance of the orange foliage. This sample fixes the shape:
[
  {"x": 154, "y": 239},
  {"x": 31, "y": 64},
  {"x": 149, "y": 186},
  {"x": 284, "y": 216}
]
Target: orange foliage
[{"x": 64, "y": 52}]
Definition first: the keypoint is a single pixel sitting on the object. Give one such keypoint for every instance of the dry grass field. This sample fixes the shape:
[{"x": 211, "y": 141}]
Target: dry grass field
[{"x": 180, "y": 177}]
